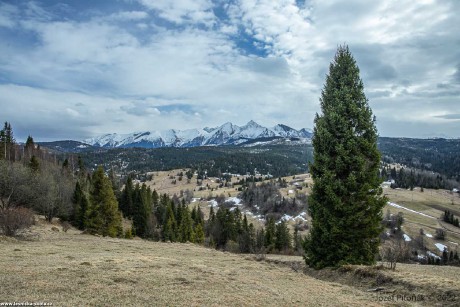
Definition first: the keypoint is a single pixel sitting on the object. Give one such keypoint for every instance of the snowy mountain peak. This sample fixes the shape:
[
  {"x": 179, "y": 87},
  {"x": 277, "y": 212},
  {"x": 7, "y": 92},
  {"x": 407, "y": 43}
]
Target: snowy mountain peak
[
  {"x": 251, "y": 124},
  {"x": 227, "y": 134}
]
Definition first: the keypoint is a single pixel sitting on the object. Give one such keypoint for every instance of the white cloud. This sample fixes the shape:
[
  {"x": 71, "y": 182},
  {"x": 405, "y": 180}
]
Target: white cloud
[
  {"x": 129, "y": 15},
  {"x": 183, "y": 11}
]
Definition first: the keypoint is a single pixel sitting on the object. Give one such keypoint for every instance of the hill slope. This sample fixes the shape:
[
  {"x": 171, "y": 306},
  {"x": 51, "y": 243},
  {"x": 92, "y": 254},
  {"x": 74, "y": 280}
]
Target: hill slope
[{"x": 70, "y": 269}]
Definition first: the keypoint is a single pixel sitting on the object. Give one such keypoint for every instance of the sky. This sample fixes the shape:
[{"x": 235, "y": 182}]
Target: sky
[{"x": 80, "y": 68}]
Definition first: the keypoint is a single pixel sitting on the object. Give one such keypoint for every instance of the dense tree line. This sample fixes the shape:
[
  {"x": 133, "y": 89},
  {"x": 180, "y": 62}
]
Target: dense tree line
[
  {"x": 449, "y": 217},
  {"x": 164, "y": 218},
  {"x": 30, "y": 180},
  {"x": 431, "y": 155},
  {"x": 275, "y": 160},
  {"x": 410, "y": 178}
]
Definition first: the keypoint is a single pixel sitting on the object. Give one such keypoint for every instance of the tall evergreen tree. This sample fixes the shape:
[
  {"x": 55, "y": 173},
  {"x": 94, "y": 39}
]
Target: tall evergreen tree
[
  {"x": 270, "y": 233},
  {"x": 346, "y": 200},
  {"x": 81, "y": 205},
  {"x": 29, "y": 147},
  {"x": 282, "y": 237},
  {"x": 126, "y": 199},
  {"x": 7, "y": 142},
  {"x": 34, "y": 164},
  {"x": 103, "y": 215}
]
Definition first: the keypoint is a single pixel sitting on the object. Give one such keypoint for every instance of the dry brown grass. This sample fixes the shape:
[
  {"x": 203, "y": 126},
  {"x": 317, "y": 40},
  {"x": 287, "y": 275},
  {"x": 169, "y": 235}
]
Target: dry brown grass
[
  {"x": 162, "y": 183},
  {"x": 71, "y": 269}
]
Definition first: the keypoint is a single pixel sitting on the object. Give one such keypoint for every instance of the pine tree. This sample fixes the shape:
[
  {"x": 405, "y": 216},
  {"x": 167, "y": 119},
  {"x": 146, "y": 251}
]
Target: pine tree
[
  {"x": 142, "y": 208},
  {"x": 270, "y": 234},
  {"x": 81, "y": 168},
  {"x": 29, "y": 147},
  {"x": 103, "y": 215},
  {"x": 282, "y": 237},
  {"x": 7, "y": 142},
  {"x": 126, "y": 199},
  {"x": 170, "y": 225},
  {"x": 81, "y": 205},
  {"x": 34, "y": 164},
  {"x": 346, "y": 200}
]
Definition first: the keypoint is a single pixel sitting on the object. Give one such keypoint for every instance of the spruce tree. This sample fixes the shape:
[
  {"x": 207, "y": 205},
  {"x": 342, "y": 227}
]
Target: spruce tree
[
  {"x": 282, "y": 237},
  {"x": 81, "y": 205},
  {"x": 34, "y": 164},
  {"x": 270, "y": 233},
  {"x": 346, "y": 202},
  {"x": 103, "y": 215}
]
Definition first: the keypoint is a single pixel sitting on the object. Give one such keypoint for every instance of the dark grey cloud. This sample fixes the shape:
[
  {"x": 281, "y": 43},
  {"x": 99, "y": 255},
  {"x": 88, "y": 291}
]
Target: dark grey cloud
[
  {"x": 370, "y": 59},
  {"x": 272, "y": 66}
]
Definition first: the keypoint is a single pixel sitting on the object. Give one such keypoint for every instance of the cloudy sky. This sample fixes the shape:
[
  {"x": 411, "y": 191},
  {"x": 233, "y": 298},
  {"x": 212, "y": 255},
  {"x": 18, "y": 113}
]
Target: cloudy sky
[{"x": 78, "y": 68}]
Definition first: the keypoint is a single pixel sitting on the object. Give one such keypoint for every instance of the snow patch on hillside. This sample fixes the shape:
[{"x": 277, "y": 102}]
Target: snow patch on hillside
[
  {"x": 404, "y": 208},
  {"x": 440, "y": 246}
]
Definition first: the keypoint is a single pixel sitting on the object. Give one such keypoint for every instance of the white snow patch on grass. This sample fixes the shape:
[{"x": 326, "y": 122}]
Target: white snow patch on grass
[
  {"x": 237, "y": 201},
  {"x": 429, "y": 235},
  {"x": 407, "y": 238},
  {"x": 401, "y": 207},
  {"x": 440, "y": 246},
  {"x": 286, "y": 217},
  {"x": 291, "y": 192},
  {"x": 213, "y": 203},
  {"x": 300, "y": 217}
]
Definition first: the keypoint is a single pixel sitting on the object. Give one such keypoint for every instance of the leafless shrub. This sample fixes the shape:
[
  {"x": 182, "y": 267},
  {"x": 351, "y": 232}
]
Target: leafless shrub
[
  {"x": 14, "y": 219},
  {"x": 393, "y": 251}
]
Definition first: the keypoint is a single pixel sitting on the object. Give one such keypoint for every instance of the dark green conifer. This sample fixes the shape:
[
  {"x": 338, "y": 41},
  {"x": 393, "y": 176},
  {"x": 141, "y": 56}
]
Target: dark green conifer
[
  {"x": 346, "y": 201},
  {"x": 34, "y": 164},
  {"x": 270, "y": 234},
  {"x": 103, "y": 215},
  {"x": 80, "y": 202},
  {"x": 282, "y": 237}
]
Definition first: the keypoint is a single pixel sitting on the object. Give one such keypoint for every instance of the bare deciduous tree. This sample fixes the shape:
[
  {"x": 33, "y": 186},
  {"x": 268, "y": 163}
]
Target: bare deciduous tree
[{"x": 393, "y": 251}]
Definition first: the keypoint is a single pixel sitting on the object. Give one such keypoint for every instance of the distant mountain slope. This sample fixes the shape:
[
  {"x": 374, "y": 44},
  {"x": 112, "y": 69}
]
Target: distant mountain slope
[
  {"x": 67, "y": 146},
  {"x": 227, "y": 134}
]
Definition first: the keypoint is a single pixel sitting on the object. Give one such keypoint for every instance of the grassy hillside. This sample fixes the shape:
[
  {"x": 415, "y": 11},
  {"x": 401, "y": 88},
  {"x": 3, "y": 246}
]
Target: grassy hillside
[{"x": 71, "y": 269}]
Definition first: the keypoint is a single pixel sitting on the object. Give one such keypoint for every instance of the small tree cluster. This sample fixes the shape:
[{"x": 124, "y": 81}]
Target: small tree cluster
[
  {"x": 95, "y": 205},
  {"x": 449, "y": 217}
]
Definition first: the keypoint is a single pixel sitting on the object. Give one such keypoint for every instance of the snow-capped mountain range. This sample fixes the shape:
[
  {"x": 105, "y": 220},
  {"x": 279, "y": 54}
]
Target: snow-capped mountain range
[{"x": 227, "y": 134}]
